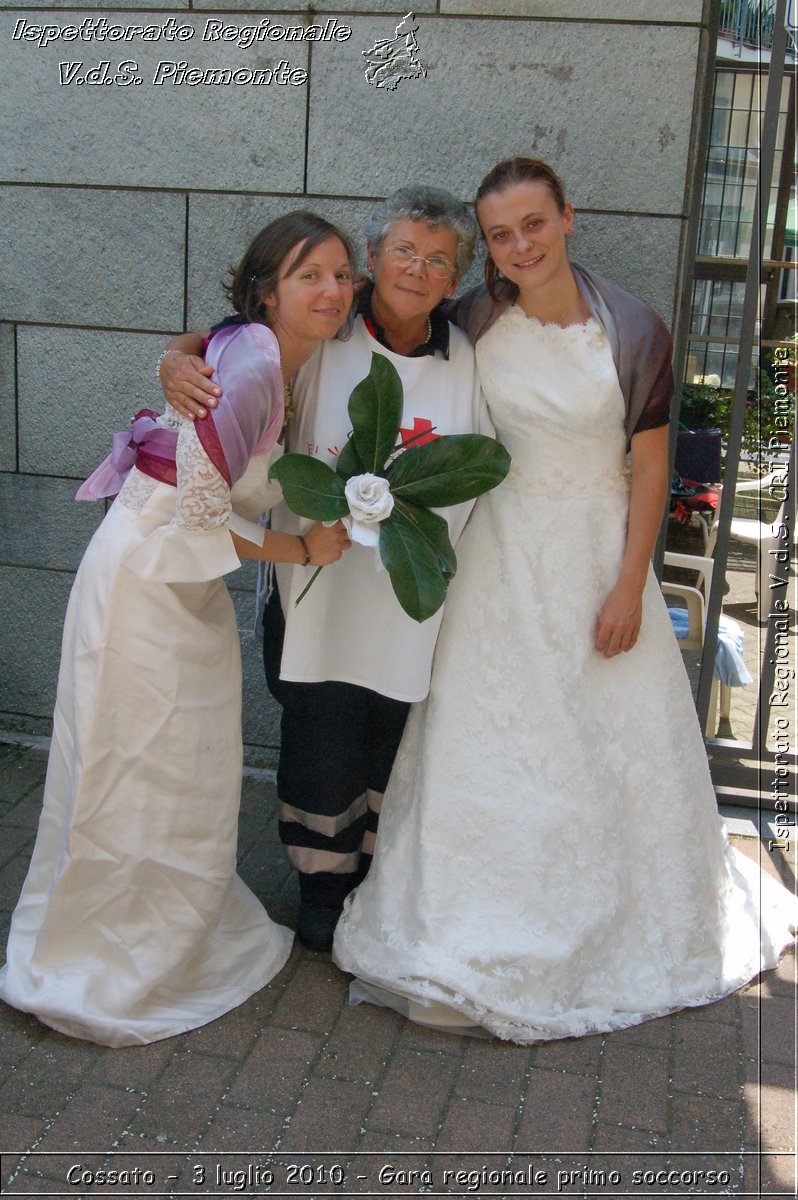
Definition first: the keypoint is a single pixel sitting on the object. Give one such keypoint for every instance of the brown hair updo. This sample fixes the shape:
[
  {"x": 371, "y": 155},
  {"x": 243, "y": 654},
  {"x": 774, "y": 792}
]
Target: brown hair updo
[
  {"x": 504, "y": 175},
  {"x": 258, "y": 273}
]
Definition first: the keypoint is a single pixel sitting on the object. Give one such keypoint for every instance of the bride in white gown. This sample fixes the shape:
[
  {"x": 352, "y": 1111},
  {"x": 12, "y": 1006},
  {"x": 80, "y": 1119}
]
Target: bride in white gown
[
  {"x": 550, "y": 860},
  {"x": 132, "y": 924}
]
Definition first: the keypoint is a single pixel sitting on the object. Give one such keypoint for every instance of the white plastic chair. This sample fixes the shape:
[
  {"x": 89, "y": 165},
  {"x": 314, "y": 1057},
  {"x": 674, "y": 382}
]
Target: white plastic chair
[
  {"x": 694, "y": 601},
  {"x": 753, "y": 533}
]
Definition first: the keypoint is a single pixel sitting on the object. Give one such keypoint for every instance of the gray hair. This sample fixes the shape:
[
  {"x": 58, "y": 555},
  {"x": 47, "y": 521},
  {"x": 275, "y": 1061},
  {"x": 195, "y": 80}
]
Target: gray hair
[{"x": 435, "y": 207}]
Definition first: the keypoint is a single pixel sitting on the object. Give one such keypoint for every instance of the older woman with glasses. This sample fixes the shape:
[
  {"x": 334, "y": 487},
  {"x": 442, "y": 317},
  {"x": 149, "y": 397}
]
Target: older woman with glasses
[{"x": 347, "y": 662}]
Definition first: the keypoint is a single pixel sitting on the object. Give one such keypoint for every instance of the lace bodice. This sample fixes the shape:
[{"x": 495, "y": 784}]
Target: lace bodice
[
  {"x": 556, "y": 403},
  {"x": 203, "y": 500}
]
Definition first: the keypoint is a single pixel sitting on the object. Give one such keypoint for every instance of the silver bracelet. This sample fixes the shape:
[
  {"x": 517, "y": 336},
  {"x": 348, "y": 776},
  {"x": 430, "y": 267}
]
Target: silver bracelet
[{"x": 161, "y": 357}]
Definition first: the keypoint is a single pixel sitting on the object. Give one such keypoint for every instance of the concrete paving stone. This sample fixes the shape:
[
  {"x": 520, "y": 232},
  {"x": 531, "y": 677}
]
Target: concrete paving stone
[
  {"x": 8, "y": 403},
  {"x": 494, "y": 1071},
  {"x": 432, "y": 1041},
  {"x": 22, "y": 774},
  {"x": 47, "y": 1076},
  {"x": 770, "y": 1110},
  {"x": 390, "y": 1164},
  {"x": 768, "y": 1028},
  {"x": 264, "y": 869},
  {"x": 261, "y": 714},
  {"x": 610, "y": 1136},
  {"x": 579, "y": 1055},
  {"x": 636, "y": 1149},
  {"x": 17, "y": 1135},
  {"x": 634, "y": 1086},
  {"x": 95, "y": 1115},
  {"x": 12, "y": 877},
  {"x": 234, "y": 1034},
  {"x": 234, "y": 1128},
  {"x": 14, "y": 840},
  {"x": 473, "y": 1125},
  {"x": 483, "y": 1173},
  {"x": 282, "y": 903},
  {"x": 142, "y": 1154},
  {"x": 273, "y": 1075},
  {"x": 557, "y": 1113},
  {"x": 707, "y": 1059},
  {"x": 725, "y": 1011},
  {"x": 187, "y": 1093},
  {"x": 703, "y": 1174},
  {"x": 655, "y": 1034},
  {"x": 136, "y": 1067},
  {"x": 703, "y": 1123},
  {"x": 413, "y": 1093},
  {"x": 360, "y": 1043},
  {"x": 330, "y": 1115},
  {"x": 567, "y": 1174},
  {"x": 26, "y": 812},
  {"x": 19, "y": 1033},
  {"x": 313, "y": 997},
  {"x": 36, "y": 1181},
  {"x": 777, "y": 1175},
  {"x": 779, "y": 982}
]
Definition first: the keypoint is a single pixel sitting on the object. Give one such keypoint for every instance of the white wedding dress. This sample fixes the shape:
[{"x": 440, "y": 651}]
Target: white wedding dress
[
  {"x": 132, "y": 924},
  {"x": 550, "y": 860}
]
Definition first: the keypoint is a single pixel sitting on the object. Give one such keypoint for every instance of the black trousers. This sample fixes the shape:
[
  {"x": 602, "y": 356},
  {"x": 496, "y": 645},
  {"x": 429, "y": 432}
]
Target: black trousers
[{"x": 338, "y": 744}]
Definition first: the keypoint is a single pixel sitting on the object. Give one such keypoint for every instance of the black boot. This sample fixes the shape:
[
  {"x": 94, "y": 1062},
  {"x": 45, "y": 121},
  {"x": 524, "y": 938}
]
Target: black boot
[{"x": 322, "y": 896}]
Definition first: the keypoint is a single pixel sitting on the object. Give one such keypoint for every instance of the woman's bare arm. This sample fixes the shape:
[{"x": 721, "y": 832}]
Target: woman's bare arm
[
  {"x": 185, "y": 376},
  {"x": 618, "y": 624}
]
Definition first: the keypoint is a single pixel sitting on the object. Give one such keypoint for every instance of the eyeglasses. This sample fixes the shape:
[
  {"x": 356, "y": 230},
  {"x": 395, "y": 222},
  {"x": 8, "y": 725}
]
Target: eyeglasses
[{"x": 403, "y": 256}]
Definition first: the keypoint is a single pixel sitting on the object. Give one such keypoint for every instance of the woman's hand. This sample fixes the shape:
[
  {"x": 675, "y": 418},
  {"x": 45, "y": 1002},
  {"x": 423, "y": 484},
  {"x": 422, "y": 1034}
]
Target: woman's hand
[
  {"x": 618, "y": 625},
  {"x": 326, "y": 544},
  {"x": 186, "y": 384}
]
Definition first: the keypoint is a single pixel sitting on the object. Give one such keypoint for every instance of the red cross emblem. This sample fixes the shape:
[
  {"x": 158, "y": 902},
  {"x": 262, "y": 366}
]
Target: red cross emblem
[{"x": 419, "y": 434}]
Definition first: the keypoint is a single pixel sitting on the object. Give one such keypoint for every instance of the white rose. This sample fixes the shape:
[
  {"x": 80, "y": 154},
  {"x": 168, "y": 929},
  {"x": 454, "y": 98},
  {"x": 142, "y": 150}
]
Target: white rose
[{"x": 370, "y": 501}]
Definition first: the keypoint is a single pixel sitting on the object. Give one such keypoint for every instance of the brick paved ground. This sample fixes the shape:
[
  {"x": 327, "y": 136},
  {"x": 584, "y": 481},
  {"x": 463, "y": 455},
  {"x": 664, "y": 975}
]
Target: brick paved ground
[{"x": 295, "y": 1071}]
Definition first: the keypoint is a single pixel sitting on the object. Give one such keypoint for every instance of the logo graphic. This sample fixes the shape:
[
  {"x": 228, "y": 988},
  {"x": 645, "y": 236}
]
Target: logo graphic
[{"x": 393, "y": 59}]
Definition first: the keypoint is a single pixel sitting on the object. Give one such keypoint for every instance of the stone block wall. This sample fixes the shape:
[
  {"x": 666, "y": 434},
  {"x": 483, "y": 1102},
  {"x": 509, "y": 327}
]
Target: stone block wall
[{"x": 123, "y": 202}]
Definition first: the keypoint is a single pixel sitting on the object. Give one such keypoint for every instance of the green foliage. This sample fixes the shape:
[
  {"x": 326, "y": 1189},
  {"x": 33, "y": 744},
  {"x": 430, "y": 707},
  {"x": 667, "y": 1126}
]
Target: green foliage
[
  {"x": 449, "y": 470},
  {"x": 375, "y": 410},
  {"x": 414, "y": 542},
  {"x": 706, "y": 407},
  {"x": 413, "y": 565},
  {"x": 348, "y": 463},
  {"x": 310, "y": 487}
]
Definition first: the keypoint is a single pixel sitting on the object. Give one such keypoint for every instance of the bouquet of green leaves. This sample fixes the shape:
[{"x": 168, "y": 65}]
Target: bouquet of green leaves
[{"x": 385, "y": 490}]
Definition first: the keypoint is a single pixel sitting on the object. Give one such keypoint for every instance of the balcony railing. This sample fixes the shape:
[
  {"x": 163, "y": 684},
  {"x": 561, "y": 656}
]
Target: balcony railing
[{"x": 750, "y": 22}]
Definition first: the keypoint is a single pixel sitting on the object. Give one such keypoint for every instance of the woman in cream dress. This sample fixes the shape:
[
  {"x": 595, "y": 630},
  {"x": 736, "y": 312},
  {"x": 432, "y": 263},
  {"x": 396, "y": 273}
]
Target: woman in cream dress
[{"x": 133, "y": 924}]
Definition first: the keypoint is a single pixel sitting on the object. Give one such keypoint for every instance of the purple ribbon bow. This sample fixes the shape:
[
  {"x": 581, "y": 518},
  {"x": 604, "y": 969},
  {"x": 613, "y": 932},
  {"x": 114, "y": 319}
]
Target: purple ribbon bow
[{"x": 147, "y": 445}]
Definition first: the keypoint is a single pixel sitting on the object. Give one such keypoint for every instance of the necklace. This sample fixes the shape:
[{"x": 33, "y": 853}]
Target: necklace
[
  {"x": 561, "y": 318},
  {"x": 288, "y": 403},
  {"x": 429, "y": 331}
]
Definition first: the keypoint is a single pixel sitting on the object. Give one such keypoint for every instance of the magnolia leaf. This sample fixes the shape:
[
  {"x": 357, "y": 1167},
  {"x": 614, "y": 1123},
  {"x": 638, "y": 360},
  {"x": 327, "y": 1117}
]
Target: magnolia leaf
[
  {"x": 349, "y": 463},
  {"x": 310, "y": 487},
  {"x": 412, "y": 564},
  {"x": 433, "y": 529},
  {"x": 449, "y": 470},
  {"x": 375, "y": 410}
]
